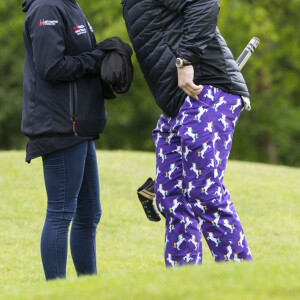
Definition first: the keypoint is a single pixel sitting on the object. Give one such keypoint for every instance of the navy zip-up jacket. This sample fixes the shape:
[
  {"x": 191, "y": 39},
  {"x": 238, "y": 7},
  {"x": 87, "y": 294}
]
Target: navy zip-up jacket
[{"x": 62, "y": 93}]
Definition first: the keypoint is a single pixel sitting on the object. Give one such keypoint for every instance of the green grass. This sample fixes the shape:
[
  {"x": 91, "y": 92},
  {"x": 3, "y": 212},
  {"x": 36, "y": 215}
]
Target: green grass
[{"x": 130, "y": 248}]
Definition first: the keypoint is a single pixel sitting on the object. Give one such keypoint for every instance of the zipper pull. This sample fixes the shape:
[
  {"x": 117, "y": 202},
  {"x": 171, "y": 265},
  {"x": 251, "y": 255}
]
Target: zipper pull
[{"x": 74, "y": 129}]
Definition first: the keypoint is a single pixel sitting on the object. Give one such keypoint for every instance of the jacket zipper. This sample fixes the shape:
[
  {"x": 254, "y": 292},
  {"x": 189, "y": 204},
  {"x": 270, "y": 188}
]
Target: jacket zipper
[{"x": 73, "y": 105}]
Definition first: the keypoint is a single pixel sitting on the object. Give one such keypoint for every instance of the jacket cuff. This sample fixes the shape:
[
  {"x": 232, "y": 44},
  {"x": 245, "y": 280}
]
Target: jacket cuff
[
  {"x": 100, "y": 54},
  {"x": 189, "y": 56}
]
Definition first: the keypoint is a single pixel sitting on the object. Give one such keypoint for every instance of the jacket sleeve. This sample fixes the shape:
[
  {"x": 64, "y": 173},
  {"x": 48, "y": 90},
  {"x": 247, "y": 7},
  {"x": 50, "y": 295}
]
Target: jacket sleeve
[
  {"x": 48, "y": 46},
  {"x": 200, "y": 22}
]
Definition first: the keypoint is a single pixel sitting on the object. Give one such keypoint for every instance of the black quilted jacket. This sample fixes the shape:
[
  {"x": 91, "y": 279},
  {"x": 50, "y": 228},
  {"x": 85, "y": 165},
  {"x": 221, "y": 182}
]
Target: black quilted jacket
[{"x": 161, "y": 30}]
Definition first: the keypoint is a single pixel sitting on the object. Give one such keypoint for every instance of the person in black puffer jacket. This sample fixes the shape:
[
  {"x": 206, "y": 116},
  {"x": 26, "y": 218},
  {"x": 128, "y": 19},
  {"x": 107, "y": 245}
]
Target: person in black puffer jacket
[{"x": 196, "y": 82}]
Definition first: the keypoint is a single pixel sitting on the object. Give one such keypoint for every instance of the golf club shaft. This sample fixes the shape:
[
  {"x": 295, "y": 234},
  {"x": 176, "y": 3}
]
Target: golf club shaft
[{"x": 248, "y": 51}]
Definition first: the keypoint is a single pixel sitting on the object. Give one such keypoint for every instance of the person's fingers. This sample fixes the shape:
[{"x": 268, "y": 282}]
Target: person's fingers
[
  {"x": 185, "y": 82},
  {"x": 193, "y": 85},
  {"x": 190, "y": 93},
  {"x": 191, "y": 89},
  {"x": 190, "y": 84}
]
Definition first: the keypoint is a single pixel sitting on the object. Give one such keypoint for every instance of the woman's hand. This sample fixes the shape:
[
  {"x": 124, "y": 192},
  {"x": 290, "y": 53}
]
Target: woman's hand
[{"x": 185, "y": 81}]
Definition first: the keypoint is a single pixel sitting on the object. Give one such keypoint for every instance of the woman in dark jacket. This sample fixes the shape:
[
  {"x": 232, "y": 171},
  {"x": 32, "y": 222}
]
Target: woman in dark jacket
[{"x": 63, "y": 112}]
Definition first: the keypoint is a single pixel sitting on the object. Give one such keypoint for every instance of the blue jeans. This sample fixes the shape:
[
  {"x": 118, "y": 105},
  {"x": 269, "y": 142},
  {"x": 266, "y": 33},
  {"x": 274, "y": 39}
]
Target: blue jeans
[{"x": 72, "y": 184}]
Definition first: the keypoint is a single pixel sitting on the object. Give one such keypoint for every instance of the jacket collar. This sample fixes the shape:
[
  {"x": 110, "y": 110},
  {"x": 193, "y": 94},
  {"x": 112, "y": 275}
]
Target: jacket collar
[{"x": 26, "y": 4}]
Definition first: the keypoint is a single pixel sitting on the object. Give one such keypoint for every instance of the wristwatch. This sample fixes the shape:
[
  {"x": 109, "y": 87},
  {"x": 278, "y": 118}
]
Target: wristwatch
[{"x": 181, "y": 63}]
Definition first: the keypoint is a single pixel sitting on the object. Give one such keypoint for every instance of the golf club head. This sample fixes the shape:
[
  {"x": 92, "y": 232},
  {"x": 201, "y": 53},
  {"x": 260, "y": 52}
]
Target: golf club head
[{"x": 146, "y": 196}]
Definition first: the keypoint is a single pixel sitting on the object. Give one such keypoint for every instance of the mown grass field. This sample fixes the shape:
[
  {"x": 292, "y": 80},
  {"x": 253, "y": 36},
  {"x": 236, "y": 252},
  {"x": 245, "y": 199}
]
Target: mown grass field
[{"x": 130, "y": 248}]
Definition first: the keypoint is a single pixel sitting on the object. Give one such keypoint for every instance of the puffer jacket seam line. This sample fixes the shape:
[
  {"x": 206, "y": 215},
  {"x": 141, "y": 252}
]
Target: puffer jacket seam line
[
  {"x": 158, "y": 62},
  {"x": 164, "y": 73},
  {"x": 130, "y": 8},
  {"x": 140, "y": 32}
]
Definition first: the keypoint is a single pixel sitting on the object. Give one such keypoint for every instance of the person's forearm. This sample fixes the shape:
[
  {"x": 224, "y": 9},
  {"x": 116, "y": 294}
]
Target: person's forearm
[{"x": 71, "y": 68}]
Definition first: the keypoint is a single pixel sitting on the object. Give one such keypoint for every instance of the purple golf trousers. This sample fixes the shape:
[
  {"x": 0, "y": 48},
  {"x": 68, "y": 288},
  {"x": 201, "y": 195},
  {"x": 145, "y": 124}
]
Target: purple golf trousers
[{"x": 192, "y": 150}]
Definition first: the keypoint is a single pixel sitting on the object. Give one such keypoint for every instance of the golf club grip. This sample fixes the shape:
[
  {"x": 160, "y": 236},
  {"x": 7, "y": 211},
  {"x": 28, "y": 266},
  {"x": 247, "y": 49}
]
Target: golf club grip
[{"x": 248, "y": 51}]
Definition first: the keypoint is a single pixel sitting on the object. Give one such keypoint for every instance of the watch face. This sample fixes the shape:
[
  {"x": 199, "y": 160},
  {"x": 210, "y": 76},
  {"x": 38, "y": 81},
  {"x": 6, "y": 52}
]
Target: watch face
[{"x": 178, "y": 62}]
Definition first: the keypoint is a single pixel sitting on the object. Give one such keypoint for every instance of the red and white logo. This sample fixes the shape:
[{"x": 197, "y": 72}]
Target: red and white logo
[
  {"x": 47, "y": 23},
  {"x": 79, "y": 29}
]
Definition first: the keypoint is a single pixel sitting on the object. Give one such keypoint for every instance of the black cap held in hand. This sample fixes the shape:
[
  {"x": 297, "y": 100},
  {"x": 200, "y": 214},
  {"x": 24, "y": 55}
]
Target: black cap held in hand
[{"x": 116, "y": 69}]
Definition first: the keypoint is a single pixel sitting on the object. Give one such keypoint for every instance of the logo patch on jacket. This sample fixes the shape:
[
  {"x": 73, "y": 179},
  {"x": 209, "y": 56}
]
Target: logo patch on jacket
[
  {"x": 47, "y": 23},
  {"x": 80, "y": 29}
]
